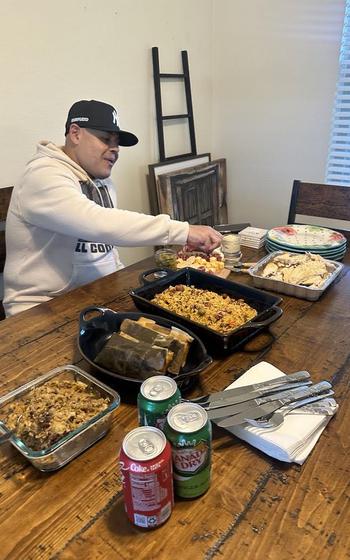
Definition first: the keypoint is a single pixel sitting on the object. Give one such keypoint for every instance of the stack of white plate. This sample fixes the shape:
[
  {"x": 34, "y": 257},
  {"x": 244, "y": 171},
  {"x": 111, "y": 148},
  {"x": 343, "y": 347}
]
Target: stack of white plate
[
  {"x": 326, "y": 242},
  {"x": 252, "y": 237}
]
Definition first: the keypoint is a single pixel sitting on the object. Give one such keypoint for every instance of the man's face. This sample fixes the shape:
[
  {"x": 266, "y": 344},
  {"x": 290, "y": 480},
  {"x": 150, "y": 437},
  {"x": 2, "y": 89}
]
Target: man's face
[{"x": 96, "y": 151}]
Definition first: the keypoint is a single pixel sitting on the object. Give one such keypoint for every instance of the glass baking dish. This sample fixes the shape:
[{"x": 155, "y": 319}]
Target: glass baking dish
[{"x": 76, "y": 441}]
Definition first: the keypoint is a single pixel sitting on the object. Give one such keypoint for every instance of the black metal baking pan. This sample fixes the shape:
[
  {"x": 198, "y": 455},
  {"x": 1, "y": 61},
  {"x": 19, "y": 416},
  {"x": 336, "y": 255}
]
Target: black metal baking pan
[
  {"x": 217, "y": 344},
  {"x": 102, "y": 323},
  {"x": 230, "y": 228}
]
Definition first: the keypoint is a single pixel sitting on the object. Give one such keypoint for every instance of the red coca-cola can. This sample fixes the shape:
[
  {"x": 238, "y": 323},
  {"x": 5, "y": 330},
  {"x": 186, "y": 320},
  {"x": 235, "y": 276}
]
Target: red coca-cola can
[{"x": 147, "y": 476}]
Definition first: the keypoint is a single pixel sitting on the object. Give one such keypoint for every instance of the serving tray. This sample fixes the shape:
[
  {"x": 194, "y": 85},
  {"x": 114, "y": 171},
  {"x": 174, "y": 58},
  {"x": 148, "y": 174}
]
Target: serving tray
[
  {"x": 97, "y": 324},
  {"x": 216, "y": 343},
  {"x": 296, "y": 290}
]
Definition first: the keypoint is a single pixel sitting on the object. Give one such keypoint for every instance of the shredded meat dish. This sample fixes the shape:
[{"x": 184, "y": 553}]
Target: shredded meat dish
[{"x": 50, "y": 411}]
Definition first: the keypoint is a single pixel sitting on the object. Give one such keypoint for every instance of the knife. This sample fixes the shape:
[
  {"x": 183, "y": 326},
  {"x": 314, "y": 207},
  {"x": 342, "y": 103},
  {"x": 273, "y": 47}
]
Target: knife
[
  {"x": 228, "y": 409},
  {"x": 247, "y": 392},
  {"x": 267, "y": 409},
  {"x": 245, "y": 398},
  {"x": 257, "y": 407}
]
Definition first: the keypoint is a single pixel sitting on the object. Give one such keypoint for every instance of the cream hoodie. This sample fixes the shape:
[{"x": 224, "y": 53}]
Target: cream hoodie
[{"x": 62, "y": 228}]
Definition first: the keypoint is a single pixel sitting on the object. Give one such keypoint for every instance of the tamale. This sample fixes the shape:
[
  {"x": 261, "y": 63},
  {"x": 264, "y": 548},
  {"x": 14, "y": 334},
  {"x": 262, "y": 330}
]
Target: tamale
[
  {"x": 153, "y": 325},
  {"x": 180, "y": 351},
  {"x": 143, "y": 348},
  {"x": 132, "y": 358},
  {"x": 180, "y": 347},
  {"x": 179, "y": 343},
  {"x": 176, "y": 340},
  {"x": 181, "y": 335},
  {"x": 144, "y": 333}
]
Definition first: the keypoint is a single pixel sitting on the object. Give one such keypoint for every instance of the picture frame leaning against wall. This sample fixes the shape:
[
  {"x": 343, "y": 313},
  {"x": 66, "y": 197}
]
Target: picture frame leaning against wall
[{"x": 156, "y": 170}]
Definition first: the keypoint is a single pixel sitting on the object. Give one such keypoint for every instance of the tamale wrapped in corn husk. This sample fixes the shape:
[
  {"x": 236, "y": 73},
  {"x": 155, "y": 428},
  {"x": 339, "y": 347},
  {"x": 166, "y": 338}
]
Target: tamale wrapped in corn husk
[
  {"x": 132, "y": 357},
  {"x": 146, "y": 322},
  {"x": 175, "y": 339},
  {"x": 145, "y": 334},
  {"x": 180, "y": 346},
  {"x": 143, "y": 348}
]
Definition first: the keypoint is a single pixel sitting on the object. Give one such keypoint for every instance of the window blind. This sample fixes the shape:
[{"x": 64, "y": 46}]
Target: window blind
[{"x": 338, "y": 164}]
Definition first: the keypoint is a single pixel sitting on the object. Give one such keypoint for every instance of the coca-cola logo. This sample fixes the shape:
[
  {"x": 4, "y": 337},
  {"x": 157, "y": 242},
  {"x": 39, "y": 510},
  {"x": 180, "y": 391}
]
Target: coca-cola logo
[{"x": 137, "y": 468}]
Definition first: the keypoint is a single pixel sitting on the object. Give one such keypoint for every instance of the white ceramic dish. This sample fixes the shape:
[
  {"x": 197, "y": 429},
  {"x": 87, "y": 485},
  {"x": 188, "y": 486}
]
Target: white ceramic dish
[
  {"x": 306, "y": 237},
  {"x": 303, "y": 292}
]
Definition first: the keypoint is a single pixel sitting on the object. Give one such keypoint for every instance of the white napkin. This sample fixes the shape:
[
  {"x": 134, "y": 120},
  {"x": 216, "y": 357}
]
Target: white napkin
[{"x": 294, "y": 440}]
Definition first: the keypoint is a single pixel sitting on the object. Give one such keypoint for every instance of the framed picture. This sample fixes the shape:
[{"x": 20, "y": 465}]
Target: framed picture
[
  {"x": 196, "y": 194},
  {"x": 156, "y": 170}
]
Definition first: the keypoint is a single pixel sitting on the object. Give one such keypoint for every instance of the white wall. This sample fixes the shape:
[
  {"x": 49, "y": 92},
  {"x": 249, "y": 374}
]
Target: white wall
[
  {"x": 275, "y": 67},
  {"x": 263, "y": 75},
  {"x": 54, "y": 53}
]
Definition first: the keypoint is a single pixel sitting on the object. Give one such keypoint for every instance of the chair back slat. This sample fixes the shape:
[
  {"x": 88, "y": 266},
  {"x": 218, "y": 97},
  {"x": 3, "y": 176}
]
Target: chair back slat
[{"x": 320, "y": 201}]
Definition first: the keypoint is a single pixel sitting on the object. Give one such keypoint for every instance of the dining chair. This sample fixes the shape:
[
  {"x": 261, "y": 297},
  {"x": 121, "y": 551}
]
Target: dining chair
[
  {"x": 5, "y": 197},
  {"x": 317, "y": 200}
]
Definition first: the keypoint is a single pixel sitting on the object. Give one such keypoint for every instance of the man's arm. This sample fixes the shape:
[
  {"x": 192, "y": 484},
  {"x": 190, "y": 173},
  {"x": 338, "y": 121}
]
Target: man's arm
[{"x": 52, "y": 199}]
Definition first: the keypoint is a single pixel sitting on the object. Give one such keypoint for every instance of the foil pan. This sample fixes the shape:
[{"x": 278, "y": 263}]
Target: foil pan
[{"x": 296, "y": 290}]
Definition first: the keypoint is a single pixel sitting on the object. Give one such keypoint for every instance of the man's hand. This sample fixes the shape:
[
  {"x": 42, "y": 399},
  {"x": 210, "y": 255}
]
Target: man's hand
[{"x": 203, "y": 238}]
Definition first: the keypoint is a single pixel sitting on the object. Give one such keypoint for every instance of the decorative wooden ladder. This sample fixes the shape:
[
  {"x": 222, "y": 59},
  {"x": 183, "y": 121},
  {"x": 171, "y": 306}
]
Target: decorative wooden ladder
[{"x": 185, "y": 77}]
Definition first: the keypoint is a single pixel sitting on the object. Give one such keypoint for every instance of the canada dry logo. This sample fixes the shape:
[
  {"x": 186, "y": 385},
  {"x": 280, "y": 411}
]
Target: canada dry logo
[{"x": 191, "y": 460}]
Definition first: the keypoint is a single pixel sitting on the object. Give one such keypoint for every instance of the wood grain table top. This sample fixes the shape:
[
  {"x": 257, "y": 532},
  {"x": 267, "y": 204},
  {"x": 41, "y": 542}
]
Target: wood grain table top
[{"x": 256, "y": 507}]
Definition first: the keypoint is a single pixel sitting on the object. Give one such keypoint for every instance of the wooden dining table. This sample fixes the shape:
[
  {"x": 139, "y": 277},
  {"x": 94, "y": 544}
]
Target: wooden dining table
[{"x": 256, "y": 507}]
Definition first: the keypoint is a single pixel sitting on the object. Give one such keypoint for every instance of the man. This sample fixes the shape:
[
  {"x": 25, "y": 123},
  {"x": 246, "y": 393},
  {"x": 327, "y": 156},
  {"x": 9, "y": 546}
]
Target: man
[{"x": 63, "y": 224}]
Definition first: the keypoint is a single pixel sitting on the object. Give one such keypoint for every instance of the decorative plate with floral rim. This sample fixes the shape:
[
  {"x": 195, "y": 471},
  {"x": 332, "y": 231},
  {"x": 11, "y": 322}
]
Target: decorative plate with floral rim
[
  {"x": 323, "y": 252},
  {"x": 332, "y": 254},
  {"x": 306, "y": 237}
]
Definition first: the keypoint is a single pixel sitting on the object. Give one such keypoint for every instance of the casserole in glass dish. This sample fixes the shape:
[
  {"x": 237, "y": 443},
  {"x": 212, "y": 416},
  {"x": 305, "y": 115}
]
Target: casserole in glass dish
[{"x": 45, "y": 438}]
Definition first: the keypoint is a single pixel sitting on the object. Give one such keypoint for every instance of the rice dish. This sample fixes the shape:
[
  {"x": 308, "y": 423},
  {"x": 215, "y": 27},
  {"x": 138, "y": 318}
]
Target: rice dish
[{"x": 219, "y": 312}]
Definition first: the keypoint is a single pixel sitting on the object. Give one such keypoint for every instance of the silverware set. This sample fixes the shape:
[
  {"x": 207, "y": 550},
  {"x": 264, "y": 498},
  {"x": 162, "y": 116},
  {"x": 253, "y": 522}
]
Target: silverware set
[
  {"x": 265, "y": 404},
  {"x": 320, "y": 405}
]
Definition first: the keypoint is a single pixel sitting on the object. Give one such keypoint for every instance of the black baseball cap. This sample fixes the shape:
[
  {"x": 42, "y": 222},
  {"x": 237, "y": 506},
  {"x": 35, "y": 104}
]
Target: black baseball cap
[{"x": 99, "y": 116}]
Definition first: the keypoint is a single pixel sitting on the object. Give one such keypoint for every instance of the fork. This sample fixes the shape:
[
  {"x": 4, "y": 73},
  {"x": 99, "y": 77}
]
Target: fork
[{"x": 327, "y": 406}]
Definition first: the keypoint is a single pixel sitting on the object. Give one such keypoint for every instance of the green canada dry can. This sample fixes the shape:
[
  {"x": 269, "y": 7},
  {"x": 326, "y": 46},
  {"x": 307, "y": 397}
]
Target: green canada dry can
[
  {"x": 158, "y": 394},
  {"x": 189, "y": 432}
]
